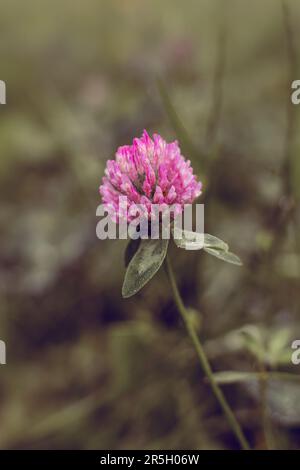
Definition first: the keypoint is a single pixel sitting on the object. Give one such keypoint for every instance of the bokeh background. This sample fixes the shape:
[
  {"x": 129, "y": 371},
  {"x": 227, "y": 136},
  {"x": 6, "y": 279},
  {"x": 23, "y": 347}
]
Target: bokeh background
[{"x": 85, "y": 368}]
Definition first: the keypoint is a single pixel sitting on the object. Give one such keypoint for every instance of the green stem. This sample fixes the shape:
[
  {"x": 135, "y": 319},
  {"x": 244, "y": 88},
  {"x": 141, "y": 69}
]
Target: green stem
[{"x": 203, "y": 359}]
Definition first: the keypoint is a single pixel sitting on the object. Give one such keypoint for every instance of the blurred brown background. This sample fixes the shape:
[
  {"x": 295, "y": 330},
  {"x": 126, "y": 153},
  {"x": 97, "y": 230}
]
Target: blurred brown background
[{"x": 85, "y": 368}]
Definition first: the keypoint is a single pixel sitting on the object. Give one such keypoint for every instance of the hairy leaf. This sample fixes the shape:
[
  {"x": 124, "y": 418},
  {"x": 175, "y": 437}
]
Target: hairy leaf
[
  {"x": 224, "y": 256},
  {"x": 144, "y": 265}
]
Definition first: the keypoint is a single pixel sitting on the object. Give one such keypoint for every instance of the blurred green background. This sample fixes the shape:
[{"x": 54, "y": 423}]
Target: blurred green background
[{"x": 85, "y": 368}]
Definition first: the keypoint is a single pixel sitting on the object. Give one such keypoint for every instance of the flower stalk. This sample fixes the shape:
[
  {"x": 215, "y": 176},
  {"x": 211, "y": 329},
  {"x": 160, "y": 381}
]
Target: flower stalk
[{"x": 236, "y": 428}]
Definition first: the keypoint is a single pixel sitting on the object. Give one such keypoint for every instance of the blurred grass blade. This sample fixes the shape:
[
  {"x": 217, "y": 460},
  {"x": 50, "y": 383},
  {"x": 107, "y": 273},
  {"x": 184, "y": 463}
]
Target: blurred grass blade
[
  {"x": 186, "y": 144},
  {"x": 229, "y": 377}
]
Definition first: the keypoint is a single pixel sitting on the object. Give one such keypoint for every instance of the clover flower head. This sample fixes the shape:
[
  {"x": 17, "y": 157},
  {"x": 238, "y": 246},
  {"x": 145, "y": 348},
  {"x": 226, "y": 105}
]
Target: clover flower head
[{"x": 150, "y": 171}]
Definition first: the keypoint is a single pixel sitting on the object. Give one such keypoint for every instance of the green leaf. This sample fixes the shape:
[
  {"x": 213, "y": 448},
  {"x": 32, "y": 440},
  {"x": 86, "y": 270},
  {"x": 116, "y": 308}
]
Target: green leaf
[
  {"x": 196, "y": 241},
  {"x": 131, "y": 250},
  {"x": 213, "y": 245},
  {"x": 224, "y": 256},
  {"x": 210, "y": 241},
  {"x": 254, "y": 339},
  {"x": 144, "y": 264},
  {"x": 188, "y": 240}
]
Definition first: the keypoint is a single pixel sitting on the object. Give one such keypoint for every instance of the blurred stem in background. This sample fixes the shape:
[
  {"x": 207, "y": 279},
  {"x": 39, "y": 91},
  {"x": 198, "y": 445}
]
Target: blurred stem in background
[
  {"x": 205, "y": 161},
  {"x": 187, "y": 145},
  {"x": 286, "y": 204},
  {"x": 291, "y": 109},
  {"x": 203, "y": 359},
  {"x": 214, "y": 119},
  {"x": 265, "y": 418}
]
